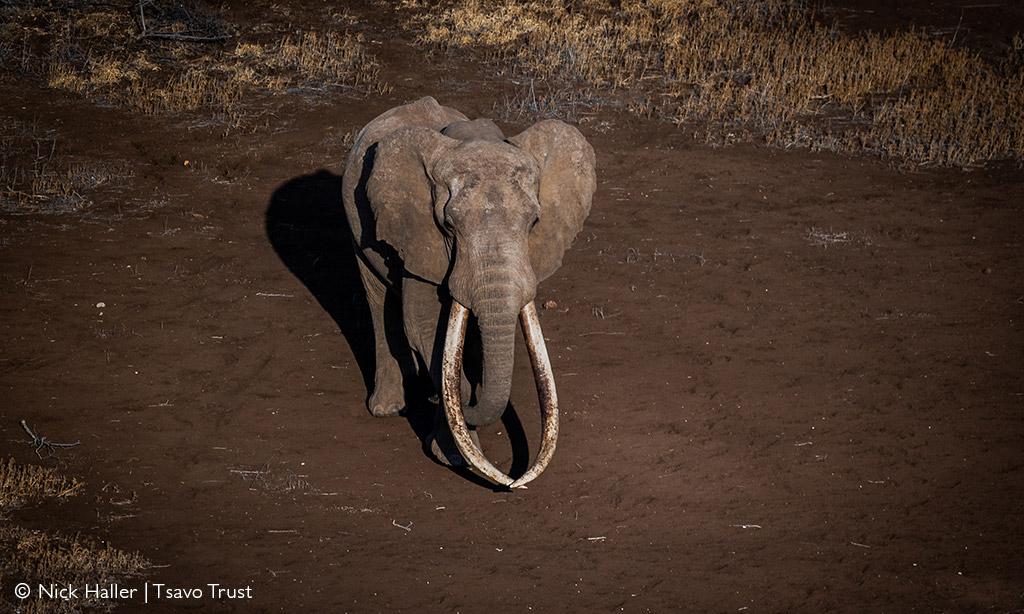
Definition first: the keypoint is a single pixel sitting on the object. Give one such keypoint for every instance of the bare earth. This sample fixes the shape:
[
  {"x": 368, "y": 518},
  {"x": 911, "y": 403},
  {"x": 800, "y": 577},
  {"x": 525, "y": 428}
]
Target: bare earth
[{"x": 790, "y": 381}]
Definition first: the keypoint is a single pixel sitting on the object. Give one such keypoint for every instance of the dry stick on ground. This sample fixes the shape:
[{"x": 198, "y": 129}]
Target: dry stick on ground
[
  {"x": 41, "y": 443},
  {"x": 172, "y": 35}
]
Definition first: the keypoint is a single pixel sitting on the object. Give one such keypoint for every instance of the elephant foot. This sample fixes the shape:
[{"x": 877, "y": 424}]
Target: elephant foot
[
  {"x": 442, "y": 444},
  {"x": 386, "y": 403}
]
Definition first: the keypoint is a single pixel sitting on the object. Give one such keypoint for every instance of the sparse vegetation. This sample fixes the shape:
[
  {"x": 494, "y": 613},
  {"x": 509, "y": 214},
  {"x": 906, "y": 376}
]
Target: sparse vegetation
[
  {"x": 24, "y": 484},
  {"x": 35, "y": 177},
  {"x": 760, "y": 69},
  {"x": 35, "y": 557},
  {"x": 41, "y": 557},
  {"x": 172, "y": 57},
  {"x": 154, "y": 57},
  {"x": 729, "y": 71}
]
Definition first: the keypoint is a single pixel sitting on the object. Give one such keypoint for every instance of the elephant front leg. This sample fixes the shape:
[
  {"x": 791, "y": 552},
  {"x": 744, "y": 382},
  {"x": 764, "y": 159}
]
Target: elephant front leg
[
  {"x": 425, "y": 322},
  {"x": 388, "y": 397},
  {"x": 421, "y": 312}
]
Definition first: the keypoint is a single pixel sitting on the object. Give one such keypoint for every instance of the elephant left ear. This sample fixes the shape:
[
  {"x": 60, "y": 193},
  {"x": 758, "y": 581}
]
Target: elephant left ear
[{"x": 567, "y": 185}]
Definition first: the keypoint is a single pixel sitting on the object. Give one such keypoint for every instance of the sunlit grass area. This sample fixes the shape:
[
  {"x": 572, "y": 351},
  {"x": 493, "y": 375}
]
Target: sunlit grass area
[{"x": 760, "y": 69}]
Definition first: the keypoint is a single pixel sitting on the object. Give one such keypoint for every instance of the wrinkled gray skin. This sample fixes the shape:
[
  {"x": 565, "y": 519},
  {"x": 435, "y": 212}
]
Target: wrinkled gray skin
[{"x": 443, "y": 208}]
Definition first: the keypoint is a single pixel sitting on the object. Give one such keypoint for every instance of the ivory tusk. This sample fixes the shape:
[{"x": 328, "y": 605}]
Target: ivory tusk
[
  {"x": 545, "y": 393},
  {"x": 451, "y": 396}
]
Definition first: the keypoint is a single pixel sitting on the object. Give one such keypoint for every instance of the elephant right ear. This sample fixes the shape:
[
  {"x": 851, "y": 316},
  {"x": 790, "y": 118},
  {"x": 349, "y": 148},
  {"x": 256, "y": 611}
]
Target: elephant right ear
[
  {"x": 400, "y": 191},
  {"x": 567, "y": 185}
]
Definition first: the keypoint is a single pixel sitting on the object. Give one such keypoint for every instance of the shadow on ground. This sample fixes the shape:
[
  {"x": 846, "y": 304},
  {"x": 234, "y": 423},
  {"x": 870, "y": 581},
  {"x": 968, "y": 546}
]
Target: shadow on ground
[{"x": 306, "y": 225}]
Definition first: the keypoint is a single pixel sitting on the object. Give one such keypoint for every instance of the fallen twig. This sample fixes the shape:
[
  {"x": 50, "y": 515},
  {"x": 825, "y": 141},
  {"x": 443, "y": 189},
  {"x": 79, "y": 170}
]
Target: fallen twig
[
  {"x": 184, "y": 37},
  {"x": 41, "y": 443}
]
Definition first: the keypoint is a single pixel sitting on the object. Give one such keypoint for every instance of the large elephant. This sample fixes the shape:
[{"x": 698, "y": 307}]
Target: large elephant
[{"x": 449, "y": 218}]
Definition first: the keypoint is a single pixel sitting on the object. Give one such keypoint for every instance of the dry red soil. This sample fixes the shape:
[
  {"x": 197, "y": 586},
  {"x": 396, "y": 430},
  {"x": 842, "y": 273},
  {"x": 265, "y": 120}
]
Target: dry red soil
[{"x": 790, "y": 381}]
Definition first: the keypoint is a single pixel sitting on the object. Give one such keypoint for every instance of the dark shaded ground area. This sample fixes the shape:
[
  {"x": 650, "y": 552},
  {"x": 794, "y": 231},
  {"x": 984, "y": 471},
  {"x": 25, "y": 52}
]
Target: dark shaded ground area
[{"x": 790, "y": 381}]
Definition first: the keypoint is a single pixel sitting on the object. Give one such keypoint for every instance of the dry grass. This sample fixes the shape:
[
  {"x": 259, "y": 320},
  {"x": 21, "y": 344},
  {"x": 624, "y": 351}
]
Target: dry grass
[
  {"x": 828, "y": 238},
  {"x": 310, "y": 60},
  {"x": 40, "y": 557},
  {"x": 757, "y": 69},
  {"x": 176, "y": 56},
  {"x": 25, "y": 484},
  {"x": 168, "y": 57},
  {"x": 35, "y": 177}
]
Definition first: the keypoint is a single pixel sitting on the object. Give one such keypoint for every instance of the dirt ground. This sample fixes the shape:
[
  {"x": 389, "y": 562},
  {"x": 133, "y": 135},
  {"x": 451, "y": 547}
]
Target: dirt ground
[{"x": 790, "y": 381}]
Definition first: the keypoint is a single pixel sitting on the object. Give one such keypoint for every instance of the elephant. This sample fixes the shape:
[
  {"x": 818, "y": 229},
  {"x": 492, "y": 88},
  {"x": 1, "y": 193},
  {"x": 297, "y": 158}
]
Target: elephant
[{"x": 451, "y": 219}]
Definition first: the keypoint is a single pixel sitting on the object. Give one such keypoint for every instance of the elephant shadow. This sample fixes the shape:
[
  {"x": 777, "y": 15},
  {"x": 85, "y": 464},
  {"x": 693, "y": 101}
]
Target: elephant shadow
[{"x": 305, "y": 223}]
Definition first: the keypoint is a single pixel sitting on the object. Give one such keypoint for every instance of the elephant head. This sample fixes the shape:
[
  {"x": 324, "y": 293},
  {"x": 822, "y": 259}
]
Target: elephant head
[{"x": 487, "y": 219}]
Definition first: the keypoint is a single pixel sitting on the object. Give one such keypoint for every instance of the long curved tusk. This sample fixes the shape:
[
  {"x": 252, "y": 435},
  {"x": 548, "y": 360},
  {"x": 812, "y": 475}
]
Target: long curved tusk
[
  {"x": 545, "y": 393},
  {"x": 451, "y": 396}
]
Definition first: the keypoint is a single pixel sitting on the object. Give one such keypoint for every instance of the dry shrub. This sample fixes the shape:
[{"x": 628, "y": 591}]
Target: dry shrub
[
  {"x": 533, "y": 105},
  {"x": 760, "y": 67}
]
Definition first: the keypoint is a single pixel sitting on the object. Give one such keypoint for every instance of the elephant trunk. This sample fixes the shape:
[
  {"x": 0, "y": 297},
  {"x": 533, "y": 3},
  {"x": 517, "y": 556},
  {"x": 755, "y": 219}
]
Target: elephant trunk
[{"x": 496, "y": 314}]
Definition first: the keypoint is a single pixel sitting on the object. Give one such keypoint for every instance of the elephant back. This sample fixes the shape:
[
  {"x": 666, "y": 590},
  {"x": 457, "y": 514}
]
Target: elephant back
[{"x": 474, "y": 130}]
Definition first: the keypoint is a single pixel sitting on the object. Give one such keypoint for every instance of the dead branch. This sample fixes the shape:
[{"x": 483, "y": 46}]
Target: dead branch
[{"x": 41, "y": 443}]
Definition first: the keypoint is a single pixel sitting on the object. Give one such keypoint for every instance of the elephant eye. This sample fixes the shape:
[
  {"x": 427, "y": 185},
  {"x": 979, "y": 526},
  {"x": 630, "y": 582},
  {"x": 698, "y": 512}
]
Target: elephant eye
[{"x": 536, "y": 220}]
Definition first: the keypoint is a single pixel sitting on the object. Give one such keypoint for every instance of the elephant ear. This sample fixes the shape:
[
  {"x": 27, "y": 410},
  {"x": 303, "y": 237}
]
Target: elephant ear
[
  {"x": 567, "y": 185},
  {"x": 400, "y": 192}
]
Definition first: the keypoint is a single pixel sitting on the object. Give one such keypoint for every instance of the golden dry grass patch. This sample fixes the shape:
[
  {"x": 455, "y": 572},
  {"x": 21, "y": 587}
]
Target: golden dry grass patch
[
  {"x": 23, "y": 484},
  {"x": 769, "y": 69}
]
